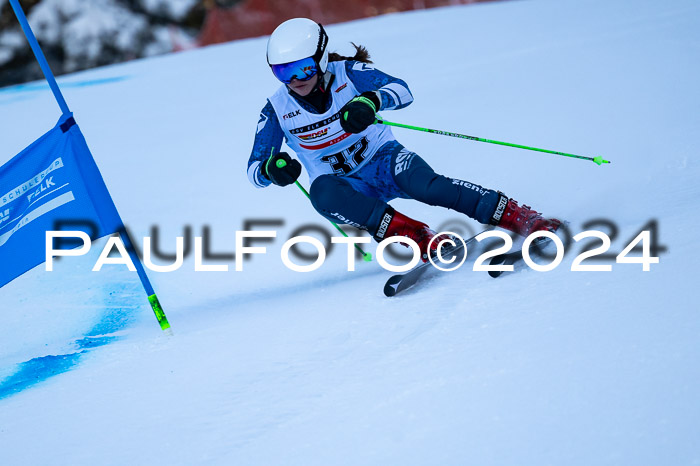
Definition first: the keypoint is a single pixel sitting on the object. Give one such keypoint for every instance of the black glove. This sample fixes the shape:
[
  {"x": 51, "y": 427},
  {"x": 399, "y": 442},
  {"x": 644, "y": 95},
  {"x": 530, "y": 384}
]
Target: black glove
[
  {"x": 359, "y": 113},
  {"x": 281, "y": 169}
]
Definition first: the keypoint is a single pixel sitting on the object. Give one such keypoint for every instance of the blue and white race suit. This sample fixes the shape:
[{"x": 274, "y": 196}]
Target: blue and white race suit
[{"x": 353, "y": 176}]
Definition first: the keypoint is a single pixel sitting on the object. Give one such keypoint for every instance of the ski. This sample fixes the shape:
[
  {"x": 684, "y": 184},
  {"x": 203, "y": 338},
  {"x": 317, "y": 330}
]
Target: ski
[
  {"x": 402, "y": 281},
  {"x": 515, "y": 257}
]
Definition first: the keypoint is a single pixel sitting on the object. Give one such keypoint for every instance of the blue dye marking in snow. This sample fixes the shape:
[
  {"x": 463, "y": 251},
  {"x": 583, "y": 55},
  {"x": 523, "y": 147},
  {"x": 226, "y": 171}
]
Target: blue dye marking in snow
[
  {"x": 36, "y": 370},
  {"x": 39, "y": 369}
]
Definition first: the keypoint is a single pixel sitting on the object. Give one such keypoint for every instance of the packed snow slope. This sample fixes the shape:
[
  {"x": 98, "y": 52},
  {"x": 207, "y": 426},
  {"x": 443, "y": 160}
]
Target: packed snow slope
[{"x": 269, "y": 366}]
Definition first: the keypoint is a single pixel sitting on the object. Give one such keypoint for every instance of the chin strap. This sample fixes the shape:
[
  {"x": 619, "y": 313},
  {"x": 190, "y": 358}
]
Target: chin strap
[{"x": 325, "y": 81}]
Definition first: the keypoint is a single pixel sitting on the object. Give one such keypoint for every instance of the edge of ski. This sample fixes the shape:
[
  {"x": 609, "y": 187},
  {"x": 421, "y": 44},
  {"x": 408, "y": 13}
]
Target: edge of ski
[
  {"x": 513, "y": 258},
  {"x": 402, "y": 281}
]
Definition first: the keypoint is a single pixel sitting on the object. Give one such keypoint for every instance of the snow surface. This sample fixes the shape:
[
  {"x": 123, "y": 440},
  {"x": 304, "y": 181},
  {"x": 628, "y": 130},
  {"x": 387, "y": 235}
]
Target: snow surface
[{"x": 269, "y": 366}]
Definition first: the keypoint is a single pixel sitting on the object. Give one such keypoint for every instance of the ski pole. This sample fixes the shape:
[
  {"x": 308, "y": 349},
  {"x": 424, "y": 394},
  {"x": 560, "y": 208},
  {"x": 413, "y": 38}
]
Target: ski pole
[
  {"x": 365, "y": 255},
  {"x": 599, "y": 160}
]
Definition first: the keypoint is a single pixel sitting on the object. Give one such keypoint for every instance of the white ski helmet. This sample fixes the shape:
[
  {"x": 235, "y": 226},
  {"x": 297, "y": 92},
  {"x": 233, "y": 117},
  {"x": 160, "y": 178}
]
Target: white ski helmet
[{"x": 296, "y": 39}]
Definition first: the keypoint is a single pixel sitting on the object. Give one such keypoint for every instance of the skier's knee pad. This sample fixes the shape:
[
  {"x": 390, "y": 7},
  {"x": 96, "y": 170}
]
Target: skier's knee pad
[
  {"x": 337, "y": 200},
  {"x": 325, "y": 192}
]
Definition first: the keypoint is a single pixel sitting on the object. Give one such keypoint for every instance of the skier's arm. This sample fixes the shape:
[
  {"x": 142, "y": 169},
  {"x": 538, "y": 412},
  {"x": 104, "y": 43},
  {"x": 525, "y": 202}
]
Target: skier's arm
[
  {"x": 393, "y": 92},
  {"x": 268, "y": 137}
]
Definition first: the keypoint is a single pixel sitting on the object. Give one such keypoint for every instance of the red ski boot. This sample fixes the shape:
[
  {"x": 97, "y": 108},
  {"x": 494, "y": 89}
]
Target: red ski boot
[
  {"x": 394, "y": 223},
  {"x": 522, "y": 219}
]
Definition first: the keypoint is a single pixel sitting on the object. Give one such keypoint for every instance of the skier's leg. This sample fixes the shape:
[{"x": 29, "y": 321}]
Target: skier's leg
[
  {"x": 338, "y": 200},
  {"x": 417, "y": 179}
]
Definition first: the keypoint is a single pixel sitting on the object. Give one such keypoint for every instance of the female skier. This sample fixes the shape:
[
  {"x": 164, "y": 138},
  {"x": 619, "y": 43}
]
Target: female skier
[{"x": 325, "y": 110}]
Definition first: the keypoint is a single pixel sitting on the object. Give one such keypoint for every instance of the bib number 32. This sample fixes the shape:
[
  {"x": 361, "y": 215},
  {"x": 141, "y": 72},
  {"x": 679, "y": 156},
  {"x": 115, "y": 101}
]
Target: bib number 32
[{"x": 347, "y": 160}]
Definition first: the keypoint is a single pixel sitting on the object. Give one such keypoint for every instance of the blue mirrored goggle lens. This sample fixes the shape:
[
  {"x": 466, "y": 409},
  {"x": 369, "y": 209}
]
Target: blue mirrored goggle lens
[{"x": 301, "y": 69}]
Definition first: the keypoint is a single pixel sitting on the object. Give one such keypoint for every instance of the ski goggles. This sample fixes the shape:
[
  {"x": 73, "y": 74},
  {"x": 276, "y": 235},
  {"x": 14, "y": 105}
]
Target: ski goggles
[{"x": 302, "y": 70}]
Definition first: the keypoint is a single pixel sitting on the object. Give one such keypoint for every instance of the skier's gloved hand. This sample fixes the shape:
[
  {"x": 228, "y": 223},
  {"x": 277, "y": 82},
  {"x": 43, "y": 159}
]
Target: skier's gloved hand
[
  {"x": 281, "y": 169},
  {"x": 359, "y": 113}
]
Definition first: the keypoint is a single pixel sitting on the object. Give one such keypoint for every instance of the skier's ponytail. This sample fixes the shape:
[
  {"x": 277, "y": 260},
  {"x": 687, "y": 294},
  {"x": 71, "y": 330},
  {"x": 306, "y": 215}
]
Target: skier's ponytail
[{"x": 361, "y": 54}]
